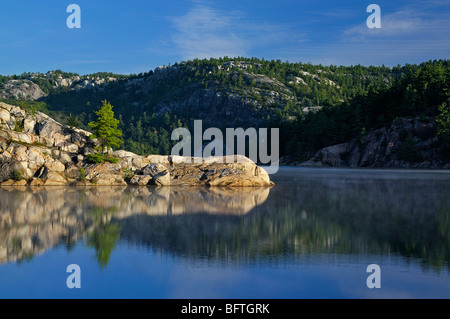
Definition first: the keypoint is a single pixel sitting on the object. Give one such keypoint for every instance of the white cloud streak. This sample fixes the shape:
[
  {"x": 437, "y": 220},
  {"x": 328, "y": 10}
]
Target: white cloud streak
[
  {"x": 410, "y": 35},
  {"x": 395, "y": 24},
  {"x": 204, "y": 32}
]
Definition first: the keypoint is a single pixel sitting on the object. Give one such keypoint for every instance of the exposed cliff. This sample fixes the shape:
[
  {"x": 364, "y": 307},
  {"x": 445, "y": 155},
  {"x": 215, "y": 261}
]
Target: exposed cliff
[
  {"x": 37, "y": 150},
  {"x": 407, "y": 143}
]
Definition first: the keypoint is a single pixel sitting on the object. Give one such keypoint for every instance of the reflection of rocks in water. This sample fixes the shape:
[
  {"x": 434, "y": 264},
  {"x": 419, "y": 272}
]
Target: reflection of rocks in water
[
  {"x": 332, "y": 213},
  {"x": 314, "y": 215},
  {"x": 180, "y": 200},
  {"x": 33, "y": 221},
  {"x": 30, "y": 222}
]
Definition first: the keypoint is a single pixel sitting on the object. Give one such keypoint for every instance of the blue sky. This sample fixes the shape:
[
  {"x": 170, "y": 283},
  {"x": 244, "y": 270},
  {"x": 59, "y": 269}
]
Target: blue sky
[{"x": 138, "y": 35}]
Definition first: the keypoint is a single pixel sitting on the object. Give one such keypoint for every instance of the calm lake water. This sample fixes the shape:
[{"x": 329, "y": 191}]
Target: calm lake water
[{"x": 310, "y": 236}]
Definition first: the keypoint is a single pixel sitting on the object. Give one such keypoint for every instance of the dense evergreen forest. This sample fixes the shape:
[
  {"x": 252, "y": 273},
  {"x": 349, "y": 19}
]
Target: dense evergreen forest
[
  {"x": 421, "y": 91},
  {"x": 313, "y": 105}
]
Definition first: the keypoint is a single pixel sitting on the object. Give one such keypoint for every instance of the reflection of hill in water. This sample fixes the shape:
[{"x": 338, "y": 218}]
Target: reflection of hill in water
[
  {"x": 308, "y": 214},
  {"x": 374, "y": 212}
]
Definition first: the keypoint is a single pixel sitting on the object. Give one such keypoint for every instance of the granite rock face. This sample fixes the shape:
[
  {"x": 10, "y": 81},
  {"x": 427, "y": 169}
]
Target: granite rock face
[
  {"x": 36, "y": 148},
  {"x": 407, "y": 143},
  {"x": 22, "y": 89}
]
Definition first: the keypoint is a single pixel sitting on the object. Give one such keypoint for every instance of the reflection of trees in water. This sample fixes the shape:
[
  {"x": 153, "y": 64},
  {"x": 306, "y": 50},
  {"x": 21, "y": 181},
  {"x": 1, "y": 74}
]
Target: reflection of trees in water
[
  {"x": 103, "y": 239},
  {"x": 380, "y": 216},
  {"x": 105, "y": 234},
  {"x": 314, "y": 216},
  {"x": 33, "y": 221},
  {"x": 407, "y": 217},
  {"x": 321, "y": 214}
]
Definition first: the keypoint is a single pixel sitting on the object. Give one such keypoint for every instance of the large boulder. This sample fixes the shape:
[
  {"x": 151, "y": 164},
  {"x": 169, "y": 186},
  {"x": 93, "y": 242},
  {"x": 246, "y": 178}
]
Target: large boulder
[
  {"x": 105, "y": 174},
  {"x": 140, "y": 180},
  {"x": 218, "y": 171},
  {"x": 159, "y": 174},
  {"x": 5, "y": 116},
  {"x": 54, "y": 179},
  {"x": 55, "y": 166}
]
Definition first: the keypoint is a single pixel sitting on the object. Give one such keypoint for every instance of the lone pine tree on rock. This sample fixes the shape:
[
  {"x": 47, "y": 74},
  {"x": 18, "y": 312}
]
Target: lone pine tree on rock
[{"x": 105, "y": 128}]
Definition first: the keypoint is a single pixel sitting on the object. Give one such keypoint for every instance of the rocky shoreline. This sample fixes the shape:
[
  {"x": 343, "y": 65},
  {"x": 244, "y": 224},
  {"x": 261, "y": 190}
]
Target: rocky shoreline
[
  {"x": 36, "y": 150},
  {"x": 408, "y": 143}
]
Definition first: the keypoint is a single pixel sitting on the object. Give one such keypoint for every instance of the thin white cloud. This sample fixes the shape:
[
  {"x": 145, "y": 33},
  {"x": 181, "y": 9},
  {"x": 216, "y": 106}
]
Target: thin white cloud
[
  {"x": 395, "y": 24},
  {"x": 204, "y": 32},
  {"x": 411, "y": 35}
]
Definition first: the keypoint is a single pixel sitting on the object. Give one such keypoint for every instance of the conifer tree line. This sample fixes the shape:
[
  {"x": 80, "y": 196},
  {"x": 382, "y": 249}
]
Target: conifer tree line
[{"x": 313, "y": 105}]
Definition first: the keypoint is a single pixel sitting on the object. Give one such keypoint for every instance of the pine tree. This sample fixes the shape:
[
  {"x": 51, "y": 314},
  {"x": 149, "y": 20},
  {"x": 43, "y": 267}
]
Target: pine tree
[
  {"x": 443, "y": 120},
  {"x": 443, "y": 128},
  {"x": 72, "y": 121},
  {"x": 105, "y": 128}
]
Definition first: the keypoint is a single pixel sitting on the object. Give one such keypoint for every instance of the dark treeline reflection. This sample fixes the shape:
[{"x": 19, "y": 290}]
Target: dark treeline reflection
[
  {"x": 315, "y": 215},
  {"x": 305, "y": 214}
]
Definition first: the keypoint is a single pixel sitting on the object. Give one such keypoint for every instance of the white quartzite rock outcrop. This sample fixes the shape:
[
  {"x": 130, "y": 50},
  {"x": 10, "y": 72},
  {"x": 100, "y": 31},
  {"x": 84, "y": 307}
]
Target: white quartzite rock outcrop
[{"x": 36, "y": 148}]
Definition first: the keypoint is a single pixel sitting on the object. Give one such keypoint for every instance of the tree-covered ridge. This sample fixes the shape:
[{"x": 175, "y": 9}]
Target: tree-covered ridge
[
  {"x": 313, "y": 105},
  {"x": 420, "y": 92},
  {"x": 305, "y": 84}
]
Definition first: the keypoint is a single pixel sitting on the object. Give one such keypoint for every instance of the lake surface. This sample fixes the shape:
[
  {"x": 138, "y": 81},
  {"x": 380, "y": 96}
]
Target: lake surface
[{"x": 310, "y": 236}]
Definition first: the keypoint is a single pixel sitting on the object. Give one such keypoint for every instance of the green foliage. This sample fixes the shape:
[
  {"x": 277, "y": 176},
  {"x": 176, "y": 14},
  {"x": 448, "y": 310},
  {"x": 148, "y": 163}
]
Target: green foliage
[
  {"x": 17, "y": 175},
  {"x": 72, "y": 121},
  {"x": 30, "y": 108},
  {"x": 112, "y": 160},
  {"x": 416, "y": 92},
  {"x": 443, "y": 129},
  {"x": 105, "y": 128},
  {"x": 146, "y": 130},
  {"x": 342, "y": 100},
  {"x": 409, "y": 152},
  {"x": 95, "y": 158},
  {"x": 443, "y": 120},
  {"x": 104, "y": 75},
  {"x": 103, "y": 239},
  {"x": 82, "y": 174},
  {"x": 100, "y": 158},
  {"x": 128, "y": 173},
  {"x": 18, "y": 125}
]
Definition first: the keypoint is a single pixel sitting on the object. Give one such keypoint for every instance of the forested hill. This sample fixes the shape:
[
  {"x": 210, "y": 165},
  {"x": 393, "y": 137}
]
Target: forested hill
[{"x": 313, "y": 105}]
